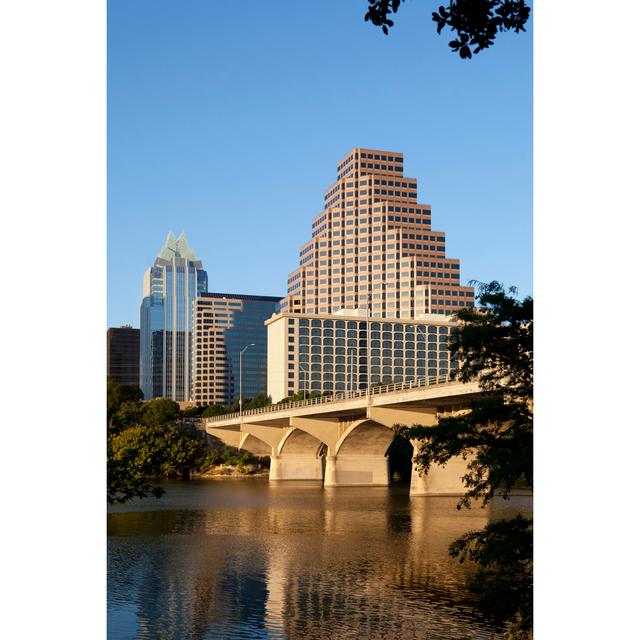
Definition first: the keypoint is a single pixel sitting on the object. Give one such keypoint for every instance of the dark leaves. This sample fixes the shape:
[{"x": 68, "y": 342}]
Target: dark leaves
[
  {"x": 475, "y": 22},
  {"x": 379, "y": 11},
  {"x": 138, "y": 454},
  {"x": 494, "y": 345},
  {"x": 504, "y": 552}
]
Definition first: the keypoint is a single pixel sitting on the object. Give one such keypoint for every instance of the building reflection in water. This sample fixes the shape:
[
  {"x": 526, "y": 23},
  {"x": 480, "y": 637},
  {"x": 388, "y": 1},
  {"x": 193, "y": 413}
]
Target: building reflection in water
[{"x": 252, "y": 560}]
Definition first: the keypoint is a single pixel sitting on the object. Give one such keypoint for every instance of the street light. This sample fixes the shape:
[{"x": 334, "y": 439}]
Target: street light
[
  {"x": 424, "y": 334},
  {"x": 383, "y": 285},
  {"x": 351, "y": 352},
  {"x": 304, "y": 396},
  {"x": 241, "y": 352},
  {"x": 368, "y": 345}
]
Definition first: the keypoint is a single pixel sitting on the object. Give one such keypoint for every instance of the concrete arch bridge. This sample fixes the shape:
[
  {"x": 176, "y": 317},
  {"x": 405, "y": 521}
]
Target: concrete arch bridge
[{"x": 351, "y": 432}]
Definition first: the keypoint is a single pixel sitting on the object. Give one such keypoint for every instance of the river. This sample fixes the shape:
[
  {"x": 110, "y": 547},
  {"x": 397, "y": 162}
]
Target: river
[{"x": 245, "y": 558}]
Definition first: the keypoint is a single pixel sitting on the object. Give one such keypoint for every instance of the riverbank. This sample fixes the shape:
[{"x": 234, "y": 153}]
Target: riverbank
[{"x": 221, "y": 472}]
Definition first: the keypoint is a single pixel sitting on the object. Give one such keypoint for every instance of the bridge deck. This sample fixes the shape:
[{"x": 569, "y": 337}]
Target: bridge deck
[{"x": 429, "y": 393}]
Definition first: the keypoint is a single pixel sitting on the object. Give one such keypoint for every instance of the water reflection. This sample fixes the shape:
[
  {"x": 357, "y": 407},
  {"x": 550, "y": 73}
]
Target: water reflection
[{"x": 247, "y": 559}]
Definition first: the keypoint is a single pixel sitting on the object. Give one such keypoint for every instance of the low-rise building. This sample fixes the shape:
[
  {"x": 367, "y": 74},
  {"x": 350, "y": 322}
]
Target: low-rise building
[
  {"x": 329, "y": 353},
  {"x": 123, "y": 354}
]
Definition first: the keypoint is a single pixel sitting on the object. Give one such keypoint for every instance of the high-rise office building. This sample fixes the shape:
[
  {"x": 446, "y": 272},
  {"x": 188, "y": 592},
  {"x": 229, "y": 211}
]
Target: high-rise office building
[
  {"x": 224, "y": 324},
  {"x": 123, "y": 354},
  {"x": 372, "y": 247},
  {"x": 370, "y": 302},
  {"x": 166, "y": 319}
]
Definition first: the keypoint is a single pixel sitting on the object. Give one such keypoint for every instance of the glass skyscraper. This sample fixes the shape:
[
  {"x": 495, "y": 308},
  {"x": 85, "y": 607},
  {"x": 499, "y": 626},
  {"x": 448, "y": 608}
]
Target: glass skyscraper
[{"x": 166, "y": 318}]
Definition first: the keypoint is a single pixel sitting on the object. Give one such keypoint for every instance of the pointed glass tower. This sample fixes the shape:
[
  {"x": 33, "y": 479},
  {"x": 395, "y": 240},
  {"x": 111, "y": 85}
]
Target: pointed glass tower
[{"x": 166, "y": 319}]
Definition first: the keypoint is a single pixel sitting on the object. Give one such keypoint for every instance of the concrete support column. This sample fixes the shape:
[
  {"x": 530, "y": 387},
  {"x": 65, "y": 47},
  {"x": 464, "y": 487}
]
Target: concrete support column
[
  {"x": 439, "y": 481},
  {"x": 330, "y": 471},
  {"x": 358, "y": 470},
  {"x": 296, "y": 466},
  {"x": 274, "y": 469}
]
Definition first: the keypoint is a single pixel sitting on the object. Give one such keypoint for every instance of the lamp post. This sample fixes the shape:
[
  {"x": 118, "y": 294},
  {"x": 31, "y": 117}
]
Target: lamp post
[
  {"x": 351, "y": 359},
  {"x": 241, "y": 352},
  {"x": 424, "y": 339},
  {"x": 304, "y": 387},
  {"x": 369, "y": 313},
  {"x": 368, "y": 344}
]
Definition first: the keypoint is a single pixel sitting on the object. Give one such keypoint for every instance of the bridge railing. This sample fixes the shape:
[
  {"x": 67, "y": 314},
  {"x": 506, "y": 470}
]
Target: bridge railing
[{"x": 336, "y": 397}]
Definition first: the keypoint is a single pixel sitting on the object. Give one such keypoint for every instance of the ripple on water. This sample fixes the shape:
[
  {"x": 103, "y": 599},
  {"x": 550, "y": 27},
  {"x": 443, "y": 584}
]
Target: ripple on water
[{"x": 255, "y": 560}]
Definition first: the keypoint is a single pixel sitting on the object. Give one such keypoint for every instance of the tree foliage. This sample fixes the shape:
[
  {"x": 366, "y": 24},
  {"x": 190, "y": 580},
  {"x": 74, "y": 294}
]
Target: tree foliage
[
  {"x": 117, "y": 394},
  {"x": 213, "y": 410},
  {"x": 193, "y": 412},
  {"x": 128, "y": 469},
  {"x": 143, "y": 452},
  {"x": 144, "y": 443},
  {"x": 475, "y": 22},
  {"x": 258, "y": 401},
  {"x": 160, "y": 412},
  {"x": 494, "y": 345},
  {"x": 504, "y": 583},
  {"x": 300, "y": 395}
]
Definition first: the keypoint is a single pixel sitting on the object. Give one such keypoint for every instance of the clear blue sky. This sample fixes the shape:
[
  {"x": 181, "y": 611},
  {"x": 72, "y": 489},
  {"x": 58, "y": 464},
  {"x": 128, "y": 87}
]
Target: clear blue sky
[{"x": 226, "y": 121}]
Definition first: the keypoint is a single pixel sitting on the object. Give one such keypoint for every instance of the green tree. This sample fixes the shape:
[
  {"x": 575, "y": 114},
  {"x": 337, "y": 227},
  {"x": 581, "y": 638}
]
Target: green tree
[
  {"x": 213, "y": 410},
  {"x": 160, "y": 412},
  {"x": 257, "y": 402},
  {"x": 475, "y": 22},
  {"x": 181, "y": 453},
  {"x": 144, "y": 443},
  {"x": 300, "y": 395},
  {"x": 133, "y": 459},
  {"x": 193, "y": 412},
  {"x": 128, "y": 414},
  {"x": 137, "y": 455},
  {"x": 117, "y": 394},
  {"x": 494, "y": 344}
]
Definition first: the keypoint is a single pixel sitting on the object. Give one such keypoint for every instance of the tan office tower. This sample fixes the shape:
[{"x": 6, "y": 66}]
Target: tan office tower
[
  {"x": 224, "y": 325},
  {"x": 373, "y": 248}
]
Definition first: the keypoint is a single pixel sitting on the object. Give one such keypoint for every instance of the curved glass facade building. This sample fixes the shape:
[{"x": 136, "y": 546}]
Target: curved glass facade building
[{"x": 166, "y": 319}]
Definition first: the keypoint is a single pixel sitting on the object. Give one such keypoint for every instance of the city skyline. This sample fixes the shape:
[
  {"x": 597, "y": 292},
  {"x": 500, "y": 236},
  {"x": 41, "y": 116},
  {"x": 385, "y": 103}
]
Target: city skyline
[{"x": 213, "y": 149}]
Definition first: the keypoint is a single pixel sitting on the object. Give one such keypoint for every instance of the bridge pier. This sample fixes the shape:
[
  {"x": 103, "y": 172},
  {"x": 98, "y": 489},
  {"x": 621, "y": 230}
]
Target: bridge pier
[
  {"x": 330, "y": 471},
  {"x": 346, "y": 470},
  {"x": 295, "y": 466},
  {"x": 439, "y": 481}
]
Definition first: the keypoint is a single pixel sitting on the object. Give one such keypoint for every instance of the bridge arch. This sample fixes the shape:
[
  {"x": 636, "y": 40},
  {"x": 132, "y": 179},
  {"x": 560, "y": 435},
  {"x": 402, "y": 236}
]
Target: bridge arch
[
  {"x": 365, "y": 437},
  {"x": 360, "y": 455},
  {"x": 299, "y": 442},
  {"x": 255, "y": 445}
]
